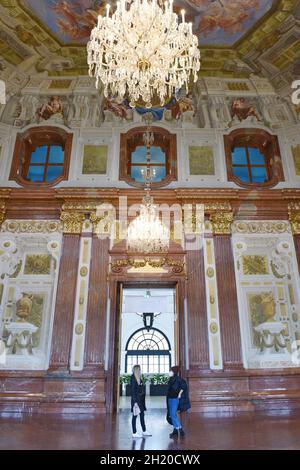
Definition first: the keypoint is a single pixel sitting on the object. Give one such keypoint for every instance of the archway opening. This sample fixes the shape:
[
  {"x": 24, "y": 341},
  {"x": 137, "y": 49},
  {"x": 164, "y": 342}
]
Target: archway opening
[{"x": 148, "y": 338}]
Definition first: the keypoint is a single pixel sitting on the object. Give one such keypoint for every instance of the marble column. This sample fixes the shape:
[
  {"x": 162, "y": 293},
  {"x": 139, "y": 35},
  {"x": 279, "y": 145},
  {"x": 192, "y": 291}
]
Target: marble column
[
  {"x": 65, "y": 299},
  {"x": 227, "y": 291},
  {"x": 196, "y": 301}
]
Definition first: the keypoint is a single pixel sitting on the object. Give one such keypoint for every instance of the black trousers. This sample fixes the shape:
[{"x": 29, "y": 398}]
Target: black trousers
[{"x": 142, "y": 419}]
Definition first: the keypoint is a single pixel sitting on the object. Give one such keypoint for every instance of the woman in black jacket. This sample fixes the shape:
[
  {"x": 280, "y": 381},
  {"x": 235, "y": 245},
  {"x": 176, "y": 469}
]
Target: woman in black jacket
[
  {"x": 177, "y": 399},
  {"x": 138, "y": 405}
]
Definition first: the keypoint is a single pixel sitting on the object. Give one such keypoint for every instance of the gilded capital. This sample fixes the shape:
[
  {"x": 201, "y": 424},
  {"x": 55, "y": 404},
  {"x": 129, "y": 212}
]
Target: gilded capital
[
  {"x": 72, "y": 221},
  {"x": 221, "y": 222},
  {"x": 294, "y": 217},
  {"x": 96, "y": 220}
]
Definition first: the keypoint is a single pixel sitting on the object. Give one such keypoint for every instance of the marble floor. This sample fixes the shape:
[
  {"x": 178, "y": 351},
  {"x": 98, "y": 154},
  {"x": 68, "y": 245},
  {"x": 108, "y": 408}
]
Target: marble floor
[
  {"x": 107, "y": 432},
  {"x": 153, "y": 403}
]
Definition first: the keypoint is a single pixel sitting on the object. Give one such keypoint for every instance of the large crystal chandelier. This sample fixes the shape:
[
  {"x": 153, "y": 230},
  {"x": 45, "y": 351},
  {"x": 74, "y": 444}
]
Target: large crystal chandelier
[
  {"x": 146, "y": 233},
  {"x": 143, "y": 52}
]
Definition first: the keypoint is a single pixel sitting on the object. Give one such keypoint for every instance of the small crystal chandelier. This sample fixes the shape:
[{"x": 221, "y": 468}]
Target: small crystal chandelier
[
  {"x": 143, "y": 52},
  {"x": 146, "y": 233}
]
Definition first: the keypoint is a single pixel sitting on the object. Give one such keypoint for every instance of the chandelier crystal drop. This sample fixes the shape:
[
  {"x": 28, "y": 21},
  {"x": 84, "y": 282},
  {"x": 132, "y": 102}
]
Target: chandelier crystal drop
[
  {"x": 143, "y": 52},
  {"x": 146, "y": 233}
]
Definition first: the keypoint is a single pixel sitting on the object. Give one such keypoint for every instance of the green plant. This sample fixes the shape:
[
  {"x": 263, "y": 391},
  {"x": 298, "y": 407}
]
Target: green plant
[
  {"x": 144, "y": 379},
  {"x": 159, "y": 379},
  {"x": 125, "y": 379}
]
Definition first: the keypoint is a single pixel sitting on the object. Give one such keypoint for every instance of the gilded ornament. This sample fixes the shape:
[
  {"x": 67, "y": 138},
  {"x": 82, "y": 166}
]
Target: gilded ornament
[
  {"x": 176, "y": 265},
  {"x": 24, "y": 306},
  {"x": 96, "y": 220},
  {"x": 255, "y": 265},
  {"x": 83, "y": 271},
  {"x": 79, "y": 329},
  {"x": 32, "y": 226},
  {"x": 221, "y": 222},
  {"x": 37, "y": 264},
  {"x": 275, "y": 271},
  {"x": 294, "y": 217},
  {"x": 72, "y": 222},
  {"x": 2, "y": 212},
  {"x": 260, "y": 226},
  {"x": 210, "y": 272},
  {"x": 214, "y": 328},
  {"x": 212, "y": 299}
]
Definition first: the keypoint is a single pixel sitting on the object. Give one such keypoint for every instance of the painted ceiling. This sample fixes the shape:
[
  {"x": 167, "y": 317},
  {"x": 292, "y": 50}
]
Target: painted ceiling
[
  {"x": 237, "y": 37},
  {"x": 216, "y": 22}
]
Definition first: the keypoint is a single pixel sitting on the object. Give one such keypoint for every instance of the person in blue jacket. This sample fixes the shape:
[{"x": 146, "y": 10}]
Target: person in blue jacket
[{"x": 177, "y": 400}]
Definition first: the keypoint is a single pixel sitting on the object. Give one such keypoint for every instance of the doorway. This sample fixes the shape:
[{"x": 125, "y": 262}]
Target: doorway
[{"x": 149, "y": 337}]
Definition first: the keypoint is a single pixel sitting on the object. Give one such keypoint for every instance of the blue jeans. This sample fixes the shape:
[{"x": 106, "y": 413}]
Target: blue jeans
[{"x": 173, "y": 407}]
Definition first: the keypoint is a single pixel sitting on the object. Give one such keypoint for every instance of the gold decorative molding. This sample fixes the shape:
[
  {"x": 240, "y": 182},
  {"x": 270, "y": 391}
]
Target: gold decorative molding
[
  {"x": 2, "y": 211},
  {"x": 96, "y": 221},
  {"x": 221, "y": 222},
  {"x": 72, "y": 221},
  {"x": 261, "y": 226},
  {"x": 294, "y": 217},
  {"x": 176, "y": 265},
  {"x": 217, "y": 206},
  {"x": 74, "y": 213},
  {"x": 32, "y": 226},
  {"x": 84, "y": 207}
]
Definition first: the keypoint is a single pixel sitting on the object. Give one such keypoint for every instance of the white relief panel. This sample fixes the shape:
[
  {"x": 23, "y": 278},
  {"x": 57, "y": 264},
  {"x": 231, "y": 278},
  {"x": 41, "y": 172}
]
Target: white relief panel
[
  {"x": 268, "y": 293},
  {"x": 29, "y": 264}
]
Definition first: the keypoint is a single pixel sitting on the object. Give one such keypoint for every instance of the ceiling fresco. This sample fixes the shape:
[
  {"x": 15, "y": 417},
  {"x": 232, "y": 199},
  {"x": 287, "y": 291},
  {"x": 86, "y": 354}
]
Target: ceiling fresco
[
  {"x": 237, "y": 37},
  {"x": 216, "y": 22}
]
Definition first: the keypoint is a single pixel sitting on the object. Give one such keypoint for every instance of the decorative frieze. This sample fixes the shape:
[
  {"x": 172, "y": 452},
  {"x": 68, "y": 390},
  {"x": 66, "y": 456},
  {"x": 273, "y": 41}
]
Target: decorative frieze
[
  {"x": 261, "y": 226},
  {"x": 176, "y": 265},
  {"x": 32, "y": 226}
]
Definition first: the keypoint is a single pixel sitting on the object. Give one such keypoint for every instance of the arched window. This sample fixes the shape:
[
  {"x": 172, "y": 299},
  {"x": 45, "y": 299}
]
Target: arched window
[
  {"x": 150, "y": 349},
  {"x": 133, "y": 157},
  {"x": 253, "y": 158},
  {"x": 41, "y": 156}
]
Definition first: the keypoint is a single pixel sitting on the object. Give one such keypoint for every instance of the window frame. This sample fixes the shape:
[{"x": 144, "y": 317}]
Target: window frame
[
  {"x": 27, "y": 142},
  {"x": 268, "y": 146},
  {"x": 249, "y": 166},
  {"x": 133, "y": 139},
  {"x": 147, "y": 352}
]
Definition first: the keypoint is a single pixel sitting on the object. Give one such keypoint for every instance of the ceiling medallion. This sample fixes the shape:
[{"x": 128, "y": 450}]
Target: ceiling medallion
[{"x": 142, "y": 51}]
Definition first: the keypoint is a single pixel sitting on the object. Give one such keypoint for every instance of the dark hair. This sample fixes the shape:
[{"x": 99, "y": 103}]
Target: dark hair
[{"x": 175, "y": 370}]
